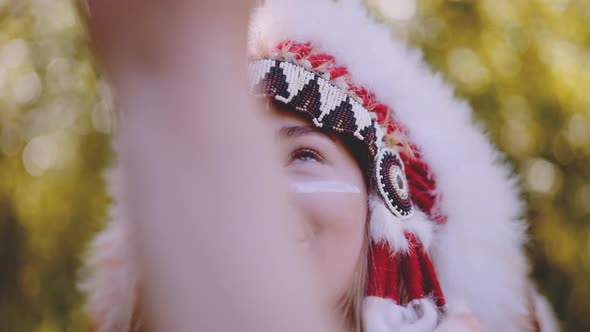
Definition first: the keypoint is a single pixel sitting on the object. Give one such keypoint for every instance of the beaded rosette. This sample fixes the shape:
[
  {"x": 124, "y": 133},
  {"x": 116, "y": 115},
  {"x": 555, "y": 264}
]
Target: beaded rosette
[{"x": 392, "y": 183}]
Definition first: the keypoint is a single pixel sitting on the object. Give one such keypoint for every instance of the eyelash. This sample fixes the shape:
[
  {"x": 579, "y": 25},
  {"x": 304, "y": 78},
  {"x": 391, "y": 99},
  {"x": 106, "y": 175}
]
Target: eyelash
[{"x": 306, "y": 152}]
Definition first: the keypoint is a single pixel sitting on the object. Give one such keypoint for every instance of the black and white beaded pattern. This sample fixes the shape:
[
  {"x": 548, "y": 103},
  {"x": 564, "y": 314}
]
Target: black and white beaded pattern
[
  {"x": 392, "y": 183},
  {"x": 327, "y": 105}
]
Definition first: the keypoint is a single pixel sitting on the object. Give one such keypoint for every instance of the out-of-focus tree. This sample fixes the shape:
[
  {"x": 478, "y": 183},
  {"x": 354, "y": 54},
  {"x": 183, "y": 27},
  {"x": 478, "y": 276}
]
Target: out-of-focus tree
[
  {"x": 523, "y": 65},
  {"x": 54, "y": 117}
]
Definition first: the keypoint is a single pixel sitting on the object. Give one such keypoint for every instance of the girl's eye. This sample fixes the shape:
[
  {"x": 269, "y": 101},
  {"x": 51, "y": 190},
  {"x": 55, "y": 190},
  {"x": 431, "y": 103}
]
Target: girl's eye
[{"x": 306, "y": 155}]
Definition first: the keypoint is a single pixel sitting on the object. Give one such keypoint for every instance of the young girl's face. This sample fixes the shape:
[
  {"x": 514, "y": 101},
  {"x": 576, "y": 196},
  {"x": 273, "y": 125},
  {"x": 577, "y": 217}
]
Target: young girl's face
[{"x": 328, "y": 187}]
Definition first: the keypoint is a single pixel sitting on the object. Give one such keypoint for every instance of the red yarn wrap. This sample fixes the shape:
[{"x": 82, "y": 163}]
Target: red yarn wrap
[
  {"x": 411, "y": 272},
  {"x": 383, "y": 272},
  {"x": 413, "y": 268},
  {"x": 431, "y": 284}
]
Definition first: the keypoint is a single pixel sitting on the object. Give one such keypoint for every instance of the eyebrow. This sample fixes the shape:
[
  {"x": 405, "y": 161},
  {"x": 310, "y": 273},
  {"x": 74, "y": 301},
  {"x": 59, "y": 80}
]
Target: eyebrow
[{"x": 298, "y": 131}]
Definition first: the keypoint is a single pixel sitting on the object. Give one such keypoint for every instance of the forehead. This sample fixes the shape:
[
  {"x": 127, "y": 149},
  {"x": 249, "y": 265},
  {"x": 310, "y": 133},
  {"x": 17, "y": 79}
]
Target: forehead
[{"x": 282, "y": 116}]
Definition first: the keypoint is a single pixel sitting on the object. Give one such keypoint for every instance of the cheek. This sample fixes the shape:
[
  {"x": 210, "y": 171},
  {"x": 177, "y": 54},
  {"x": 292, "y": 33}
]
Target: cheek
[{"x": 337, "y": 221}]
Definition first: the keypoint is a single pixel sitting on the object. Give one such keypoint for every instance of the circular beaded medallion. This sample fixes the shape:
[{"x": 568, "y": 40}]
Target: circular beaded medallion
[{"x": 392, "y": 183}]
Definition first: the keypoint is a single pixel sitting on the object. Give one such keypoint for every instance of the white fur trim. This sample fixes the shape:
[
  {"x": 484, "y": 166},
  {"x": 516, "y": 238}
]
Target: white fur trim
[
  {"x": 422, "y": 227},
  {"x": 112, "y": 276},
  {"x": 545, "y": 314},
  {"x": 457, "y": 308},
  {"x": 384, "y": 315},
  {"x": 384, "y": 226},
  {"x": 477, "y": 253}
]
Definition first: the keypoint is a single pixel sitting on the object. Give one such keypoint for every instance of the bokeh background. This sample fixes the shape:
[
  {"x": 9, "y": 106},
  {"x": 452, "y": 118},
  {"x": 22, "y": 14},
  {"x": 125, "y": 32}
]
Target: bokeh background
[{"x": 523, "y": 65}]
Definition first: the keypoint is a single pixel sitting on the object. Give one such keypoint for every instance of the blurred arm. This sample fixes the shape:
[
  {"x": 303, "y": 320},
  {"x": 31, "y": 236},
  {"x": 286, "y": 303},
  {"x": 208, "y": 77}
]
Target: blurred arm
[{"x": 214, "y": 229}]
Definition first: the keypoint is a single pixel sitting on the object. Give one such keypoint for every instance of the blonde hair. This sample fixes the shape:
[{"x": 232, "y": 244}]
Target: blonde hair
[{"x": 351, "y": 303}]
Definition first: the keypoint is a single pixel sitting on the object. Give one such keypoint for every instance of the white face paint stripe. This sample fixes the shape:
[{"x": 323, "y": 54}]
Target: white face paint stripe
[{"x": 308, "y": 187}]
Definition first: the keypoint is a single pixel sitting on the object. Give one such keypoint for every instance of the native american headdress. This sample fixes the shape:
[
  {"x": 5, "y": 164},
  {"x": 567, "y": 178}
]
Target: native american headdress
[{"x": 445, "y": 228}]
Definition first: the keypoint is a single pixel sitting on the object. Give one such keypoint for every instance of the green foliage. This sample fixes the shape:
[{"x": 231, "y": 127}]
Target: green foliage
[
  {"x": 54, "y": 116},
  {"x": 523, "y": 66}
]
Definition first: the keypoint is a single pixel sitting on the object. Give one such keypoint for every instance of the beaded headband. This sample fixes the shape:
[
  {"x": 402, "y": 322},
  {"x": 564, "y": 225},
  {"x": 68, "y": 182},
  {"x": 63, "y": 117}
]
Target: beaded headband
[{"x": 329, "y": 107}]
